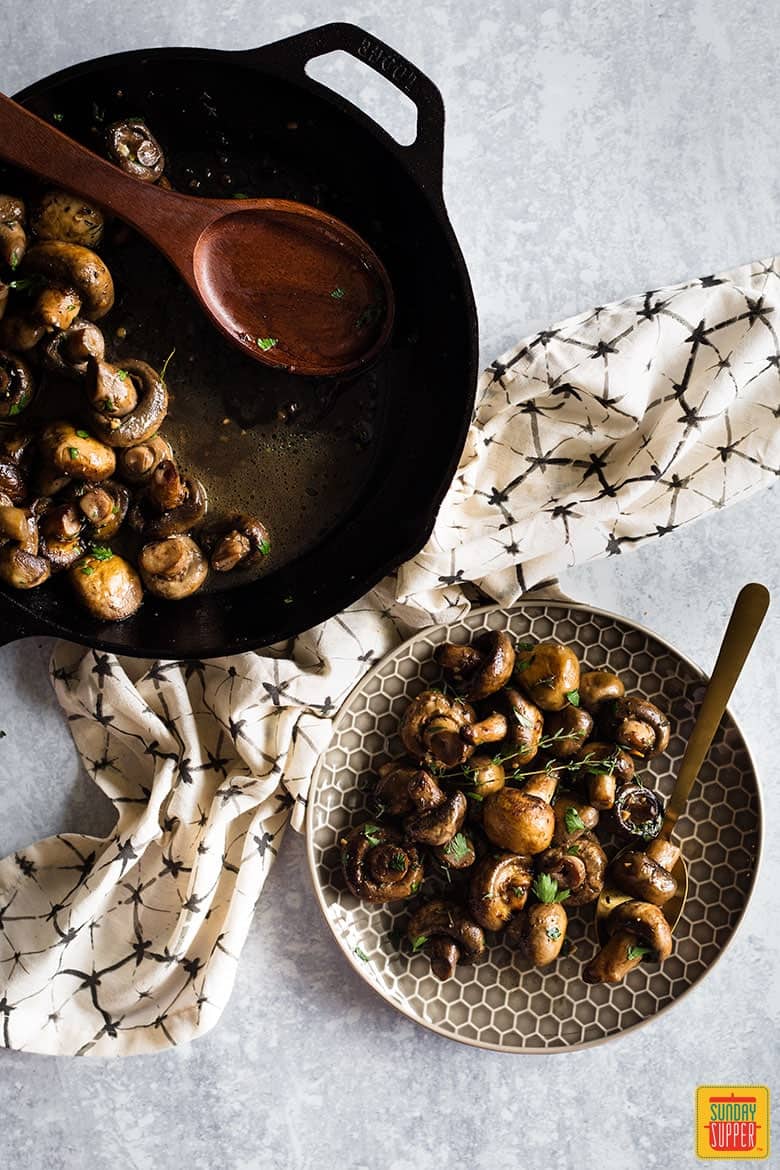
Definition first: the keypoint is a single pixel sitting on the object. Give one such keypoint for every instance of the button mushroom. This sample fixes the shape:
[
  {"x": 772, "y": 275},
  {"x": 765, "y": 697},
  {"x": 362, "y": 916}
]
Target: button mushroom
[
  {"x": 439, "y": 922},
  {"x": 173, "y": 568},
  {"x": 431, "y": 729},
  {"x": 135, "y": 149},
  {"x": 110, "y": 389},
  {"x": 637, "y": 726},
  {"x": 20, "y": 564},
  {"x": 77, "y": 281},
  {"x": 572, "y": 818},
  {"x": 16, "y": 385},
  {"x": 540, "y": 931},
  {"x": 549, "y": 674},
  {"x": 482, "y": 669},
  {"x": 566, "y": 731},
  {"x": 438, "y": 825},
  {"x": 484, "y": 775},
  {"x": 165, "y": 484},
  {"x": 606, "y": 766},
  {"x": 13, "y": 238},
  {"x": 378, "y": 867},
  {"x": 136, "y": 464},
  {"x": 62, "y": 542},
  {"x": 598, "y": 687},
  {"x": 499, "y": 888},
  {"x": 579, "y": 867},
  {"x": 238, "y": 541},
  {"x": 143, "y": 420},
  {"x": 106, "y": 585},
  {"x": 638, "y": 812},
  {"x": 525, "y": 726},
  {"x": 403, "y": 788},
  {"x": 75, "y": 453},
  {"x": 638, "y": 874},
  {"x": 103, "y": 508},
  {"x": 459, "y": 853},
  {"x": 60, "y": 215},
  {"x": 636, "y": 930},
  {"x": 521, "y": 820},
  {"x": 15, "y": 451},
  {"x": 19, "y": 334},
  {"x": 67, "y": 352}
]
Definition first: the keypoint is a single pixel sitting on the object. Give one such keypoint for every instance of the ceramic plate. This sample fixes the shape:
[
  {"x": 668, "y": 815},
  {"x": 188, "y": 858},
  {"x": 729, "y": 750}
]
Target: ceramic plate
[{"x": 502, "y": 1002}]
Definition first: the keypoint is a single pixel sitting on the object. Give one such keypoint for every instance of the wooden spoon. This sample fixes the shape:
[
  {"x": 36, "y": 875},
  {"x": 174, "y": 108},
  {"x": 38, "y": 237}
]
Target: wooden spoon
[
  {"x": 746, "y": 618},
  {"x": 288, "y": 284}
]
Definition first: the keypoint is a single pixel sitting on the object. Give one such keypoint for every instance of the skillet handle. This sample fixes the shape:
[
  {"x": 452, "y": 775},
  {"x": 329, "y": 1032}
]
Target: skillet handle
[{"x": 424, "y": 156}]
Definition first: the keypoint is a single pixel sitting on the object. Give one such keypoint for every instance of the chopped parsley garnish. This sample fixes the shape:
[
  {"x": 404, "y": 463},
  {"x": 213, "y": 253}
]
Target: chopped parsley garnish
[
  {"x": 370, "y": 833},
  {"x": 14, "y": 260},
  {"x": 121, "y": 375},
  {"x": 546, "y": 889},
  {"x": 264, "y": 547},
  {"x": 19, "y": 406},
  {"x": 73, "y": 452},
  {"x": 419, "y": 942},
  {"x": 573, "y": 697},
  {"x": 573, "y": 851},
  {"x": 398, "y": 862},
  {"x": 101, "y": 552},
  {"x": 87, "y": 570},
  {"x": 638, "y": 951},
  {"x": 553, "y": 932},
  {"x": 58, "y": 117},
  {"x": 83, "y": 434},
  {"x": 458, "y": 848},
  {"x": 338, "y": 294},
  {"x": 361, "y": 954},
  {"x": 416, "y": 887},
  {"x": 266, "y": 343},
  {"x": 525, "y": 645},
  {"x": 573, "y": 821}
]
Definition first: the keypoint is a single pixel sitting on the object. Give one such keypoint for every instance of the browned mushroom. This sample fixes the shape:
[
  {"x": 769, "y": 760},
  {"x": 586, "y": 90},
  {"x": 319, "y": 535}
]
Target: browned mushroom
[
  {"x": 61, "y": 535},
  {"x": 441, "y": 920},
  {"x": 481, "y": 669},
  {"x": 110, "y": 390},
  {"x": 136, "y": 464},
  {"x": 499, "y": 888},
  {"x": 572, "y": 818},
  {"x": 20, "y": 564},
  {"x": 636, "y": 930},
  {"x": 173, "y": 568},
  {"x": 106, "y": 585},
  {"x": 16, "y": 385},
  {"x": 566, "y": 731},
  {"x": 521, "y": 820},
  {"x": 378, "y": 867},
  {"x": 598, "y": 687},
  {"x": 182, "y": 518},
  {"x": 19, "y": 334},
  {"x": 459, "y": 853},
  {"x": 606, "y": 766},
  {"x": 67, "y": 352},
  {"x": 135, "y": 149},
  {"x": 541, "y": 930},
  {"x": 145, "y": 419},
  {"x": 491, "y": 729},
  {"x": 403, "y": 788},
  {"x": 525, "y": 726},
  {"x": 431, "y": 729},
  {"x": 60, "y": 215},
  {"x": 637, "y": 726},
  {"x": 484, "y": 775},
  {"x": 13, "y": 238},
  {"x": 15, "y": 452},
  {"x": 103, "y": 507},
  {"x": 238, "y": 541},
  {"x": 636, "y": 873},
  {"x": 437, "y": 826},
  {"x": 74, "y": 453},
  {"x": 638, "y": 812},
  {"x": 76, "y": 281},
  {"x": 579, "y": 867},
  {"x": 549, "y": 674}
]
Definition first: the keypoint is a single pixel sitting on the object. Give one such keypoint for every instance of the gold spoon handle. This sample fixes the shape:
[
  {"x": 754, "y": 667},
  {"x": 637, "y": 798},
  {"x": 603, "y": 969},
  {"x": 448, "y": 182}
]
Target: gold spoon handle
[{"x": 746, "y": 618}]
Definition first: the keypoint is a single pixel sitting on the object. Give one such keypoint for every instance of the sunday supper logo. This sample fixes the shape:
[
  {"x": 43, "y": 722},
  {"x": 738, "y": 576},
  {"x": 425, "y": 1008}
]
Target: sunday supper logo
[{"x": 732, "y": 1121}]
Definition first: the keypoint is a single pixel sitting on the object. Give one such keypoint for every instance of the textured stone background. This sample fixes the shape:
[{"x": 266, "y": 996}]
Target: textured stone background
[{"x": 594, "y": 149}]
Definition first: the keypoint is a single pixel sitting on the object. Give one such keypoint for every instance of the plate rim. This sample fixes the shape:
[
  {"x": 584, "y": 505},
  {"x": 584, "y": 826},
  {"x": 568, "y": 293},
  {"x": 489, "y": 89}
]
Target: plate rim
[{"x": 357, "y": 965}]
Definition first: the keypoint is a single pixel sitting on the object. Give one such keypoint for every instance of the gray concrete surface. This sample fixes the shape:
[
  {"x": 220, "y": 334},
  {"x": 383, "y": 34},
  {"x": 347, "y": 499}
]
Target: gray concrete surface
[{"x": 594, "y": 149}]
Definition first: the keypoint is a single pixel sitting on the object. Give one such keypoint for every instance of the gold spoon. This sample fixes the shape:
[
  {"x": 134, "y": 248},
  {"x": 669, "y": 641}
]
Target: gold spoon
[{"x": 745, "y": 621}]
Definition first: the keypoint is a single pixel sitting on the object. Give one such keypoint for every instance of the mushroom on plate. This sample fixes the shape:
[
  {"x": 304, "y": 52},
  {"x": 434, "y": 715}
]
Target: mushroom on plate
[
  {"x": 598, "y": 687},
  {"x": 67, "y": 352},
  {"x": 143, "y": 420},
  {"x": 566, "y": 731},
  {"x": 135, "y": 149},
  {"x": 637, "y": 726},
  {"x": 482, "y": 668},
  {"x": 525, "y": 726},
  {"x": 540, "y": 931},
  {"x": 635, "y": 930},
  {"x": 458, "y": 853},
  {"x": 20, "y": 564},
  {"x": 17, "y": 386},
  {"x": 431, "y": 728},
  {"x": 106, "y": 585},
  {"x": 61, "y": 215},
  {"x": 606, "y": 766},
  {"x": 238, "y": 541},
  {"x": 437, "y": 826},
  {"x": 647, "y": 875},
  {"x": 572, "y": 818},
  {"x": 19, "y": 334},
  {"x": 579, "y": 868},
  {"x": 448, "y": 935},
  {"x": 638, "y": 812},
  {"x": 76, "y": 281},
  {"x": 521, "y": 820},
  {"x": 499, "y": 888},
  {"x": 173, "y": 568},
  {"x": 549, "y": 674},
  {"x": 13, "y": 238},
  {"x": 378, "y": 867},
  {"x": 404, "y": 788},
  {"x": 75, "y": 453},
  {"x": 484, "y": 775}
]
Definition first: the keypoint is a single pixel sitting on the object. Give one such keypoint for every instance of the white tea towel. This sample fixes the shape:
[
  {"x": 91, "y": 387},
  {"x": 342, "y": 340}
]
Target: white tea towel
[{"x": 601, "y": 432}]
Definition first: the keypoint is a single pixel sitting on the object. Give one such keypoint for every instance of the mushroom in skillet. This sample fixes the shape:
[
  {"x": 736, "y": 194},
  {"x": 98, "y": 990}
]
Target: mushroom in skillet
[
  {"x": 238, "y": 541},
  {"x": 106, "y": 585},
  {"x": 134, "y": 148},
  {"x": 61, "y": 215},
  {"x": 75, "y": 280},
  {"x": 17, "y": 386},
  {"x": 20, "y": 564},
  {"x": 173, "y": 568}
]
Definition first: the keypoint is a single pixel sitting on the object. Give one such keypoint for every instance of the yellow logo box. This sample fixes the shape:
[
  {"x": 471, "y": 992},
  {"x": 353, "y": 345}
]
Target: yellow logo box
[{"x": 732, "y": 1121}]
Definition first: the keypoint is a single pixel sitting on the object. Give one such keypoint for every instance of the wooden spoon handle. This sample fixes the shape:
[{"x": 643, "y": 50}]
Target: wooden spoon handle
[
  {"x": 746, "y": 618},
  {"x": 29, "y": 142}
]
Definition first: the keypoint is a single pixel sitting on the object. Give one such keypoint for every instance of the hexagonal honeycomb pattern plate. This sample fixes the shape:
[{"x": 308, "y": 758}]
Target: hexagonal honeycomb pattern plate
[{"x": 502, "y": 1002}]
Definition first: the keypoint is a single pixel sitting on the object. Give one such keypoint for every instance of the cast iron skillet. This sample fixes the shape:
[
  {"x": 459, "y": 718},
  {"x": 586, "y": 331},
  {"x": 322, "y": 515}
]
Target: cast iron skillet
[{"x": 211, "y": 105}]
